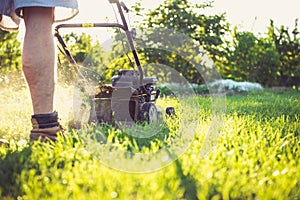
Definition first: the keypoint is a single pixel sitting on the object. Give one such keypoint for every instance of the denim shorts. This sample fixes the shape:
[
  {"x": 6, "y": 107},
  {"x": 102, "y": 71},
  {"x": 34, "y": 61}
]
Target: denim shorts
[{"x": 11, "y": 10}]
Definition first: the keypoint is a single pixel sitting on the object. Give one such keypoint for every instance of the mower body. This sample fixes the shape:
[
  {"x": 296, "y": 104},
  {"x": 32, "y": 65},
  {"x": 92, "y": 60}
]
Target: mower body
[{"x": 127, "y": 100}]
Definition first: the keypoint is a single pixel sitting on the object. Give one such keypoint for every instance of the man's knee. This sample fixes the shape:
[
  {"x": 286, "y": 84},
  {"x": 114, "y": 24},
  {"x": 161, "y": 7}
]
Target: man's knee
[{"x": 38, "y": 17}]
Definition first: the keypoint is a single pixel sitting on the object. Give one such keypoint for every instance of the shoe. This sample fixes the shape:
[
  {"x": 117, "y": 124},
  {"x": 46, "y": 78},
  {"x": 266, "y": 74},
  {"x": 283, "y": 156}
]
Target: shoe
[
  {"x": 45, "y": 134},
  {"x": 45, "y": 127}
]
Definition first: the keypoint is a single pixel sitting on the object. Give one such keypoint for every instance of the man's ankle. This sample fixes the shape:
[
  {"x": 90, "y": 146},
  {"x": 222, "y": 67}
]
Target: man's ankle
[{"x": 45, "y": 126}]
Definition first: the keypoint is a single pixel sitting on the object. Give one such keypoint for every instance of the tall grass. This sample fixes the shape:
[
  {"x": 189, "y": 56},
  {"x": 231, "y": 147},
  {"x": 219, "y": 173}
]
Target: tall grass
[{"x": 256, "y": 155}]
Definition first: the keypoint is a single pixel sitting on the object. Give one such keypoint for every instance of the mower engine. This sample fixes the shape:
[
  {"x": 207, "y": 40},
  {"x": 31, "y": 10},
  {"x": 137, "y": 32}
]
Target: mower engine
[{"x": 128, "y": 100}]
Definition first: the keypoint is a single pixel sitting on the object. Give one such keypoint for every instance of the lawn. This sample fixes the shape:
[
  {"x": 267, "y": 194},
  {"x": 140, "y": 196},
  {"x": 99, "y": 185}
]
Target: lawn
[{"x": 256, "y": 155}]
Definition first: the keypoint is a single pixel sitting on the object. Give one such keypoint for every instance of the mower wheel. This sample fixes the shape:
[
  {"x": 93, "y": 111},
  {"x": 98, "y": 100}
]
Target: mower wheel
[
  {"x": 149, "y": 113},
  {"x": 170, "y": 111}
]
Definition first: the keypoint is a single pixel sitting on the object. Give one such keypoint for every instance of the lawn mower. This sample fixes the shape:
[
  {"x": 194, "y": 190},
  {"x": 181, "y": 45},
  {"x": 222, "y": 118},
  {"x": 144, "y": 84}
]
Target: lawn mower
[{"x": 131, "y": 97}]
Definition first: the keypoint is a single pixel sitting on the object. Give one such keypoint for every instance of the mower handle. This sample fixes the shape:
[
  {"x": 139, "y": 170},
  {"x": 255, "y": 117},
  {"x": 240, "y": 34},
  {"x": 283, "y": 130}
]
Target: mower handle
[
  {"x": 121, "y": 3},
  {"x": 124, "y": 6},
  {"x": 121, "y": 7},
  {"x": 113, "y": 1}
]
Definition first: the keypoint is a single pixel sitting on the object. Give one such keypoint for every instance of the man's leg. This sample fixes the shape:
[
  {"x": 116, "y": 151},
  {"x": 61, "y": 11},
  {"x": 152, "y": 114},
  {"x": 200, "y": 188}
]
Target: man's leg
[
  {"x": 39, "y": 68},
  {"x": 39, "y": 57}
]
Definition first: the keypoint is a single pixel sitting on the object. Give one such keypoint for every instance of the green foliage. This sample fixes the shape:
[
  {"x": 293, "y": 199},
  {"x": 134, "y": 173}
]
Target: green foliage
[
  {"x": 10, "y": 52},
  {"x": 79, "y": 45},
  {"x": 271, "y": 60},
  {"x": 12, "y": 163},
  {"x": 250, "y": 58},
  {"x": 165, "y": 34},
  {"x": 120, "y": 57},
  {"x": 186, "y": 18},
  {"x": 288, "y": 46},
  {"x": 88, "y": 55},
  {"x": 117, "y": 63}
]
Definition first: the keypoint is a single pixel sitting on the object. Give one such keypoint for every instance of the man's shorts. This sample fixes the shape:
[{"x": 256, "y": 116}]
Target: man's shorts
[{"x": 11, "y": 10}]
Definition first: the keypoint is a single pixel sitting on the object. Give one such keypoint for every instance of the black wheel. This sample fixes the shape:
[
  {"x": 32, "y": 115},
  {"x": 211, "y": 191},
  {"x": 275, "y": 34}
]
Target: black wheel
[
  {"x": 170, "y": 111},
  {"x": 149, "y": 113}
]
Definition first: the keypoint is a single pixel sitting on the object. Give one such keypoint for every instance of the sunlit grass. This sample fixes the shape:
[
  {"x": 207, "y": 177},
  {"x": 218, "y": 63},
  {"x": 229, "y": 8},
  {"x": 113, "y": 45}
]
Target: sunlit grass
[
  {"x": 256, "y": 155},
  {"x": 15, "y": 108}
]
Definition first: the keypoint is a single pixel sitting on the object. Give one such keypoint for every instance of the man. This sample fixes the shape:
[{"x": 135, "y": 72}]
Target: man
[{"x": 38, "y": 55}]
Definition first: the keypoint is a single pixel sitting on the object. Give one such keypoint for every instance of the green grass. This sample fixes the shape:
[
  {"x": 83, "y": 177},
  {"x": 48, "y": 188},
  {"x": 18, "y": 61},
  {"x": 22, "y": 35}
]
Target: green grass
[{"x": 256, "y": 155}]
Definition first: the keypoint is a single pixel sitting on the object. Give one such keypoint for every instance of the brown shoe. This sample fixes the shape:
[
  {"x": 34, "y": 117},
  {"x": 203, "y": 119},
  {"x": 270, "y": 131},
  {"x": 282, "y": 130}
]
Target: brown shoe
[
  {"x": 45, "y": 127},
  {"x": 45, "y": 133}
]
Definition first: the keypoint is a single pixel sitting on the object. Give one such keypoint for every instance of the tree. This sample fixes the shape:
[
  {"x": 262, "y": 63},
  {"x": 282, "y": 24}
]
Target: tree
[
  {"x": 180, "y": 17},
  {"x": 273, "y": 60},
  {"x": 248, "y": 58},
  {"x": 288, "y": 46},
  {"x": 10, "y": 52}
]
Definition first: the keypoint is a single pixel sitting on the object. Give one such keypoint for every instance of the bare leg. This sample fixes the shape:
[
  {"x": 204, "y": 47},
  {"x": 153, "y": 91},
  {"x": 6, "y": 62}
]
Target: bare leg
[{"x": 39, "y": 57}]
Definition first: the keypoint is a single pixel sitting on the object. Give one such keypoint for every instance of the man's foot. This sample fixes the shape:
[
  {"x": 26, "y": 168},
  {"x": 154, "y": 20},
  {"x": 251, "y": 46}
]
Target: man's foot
[
  {"x": 45, "y": 127},
  {"x": 45, "y": 134}
]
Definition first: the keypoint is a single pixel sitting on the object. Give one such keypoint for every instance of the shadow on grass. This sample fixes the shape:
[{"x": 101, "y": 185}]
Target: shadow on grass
[
  {"x": 12, "y": 163},
  {"x": 187, "y": 182},
  {"x": 134, "y": 139}
]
